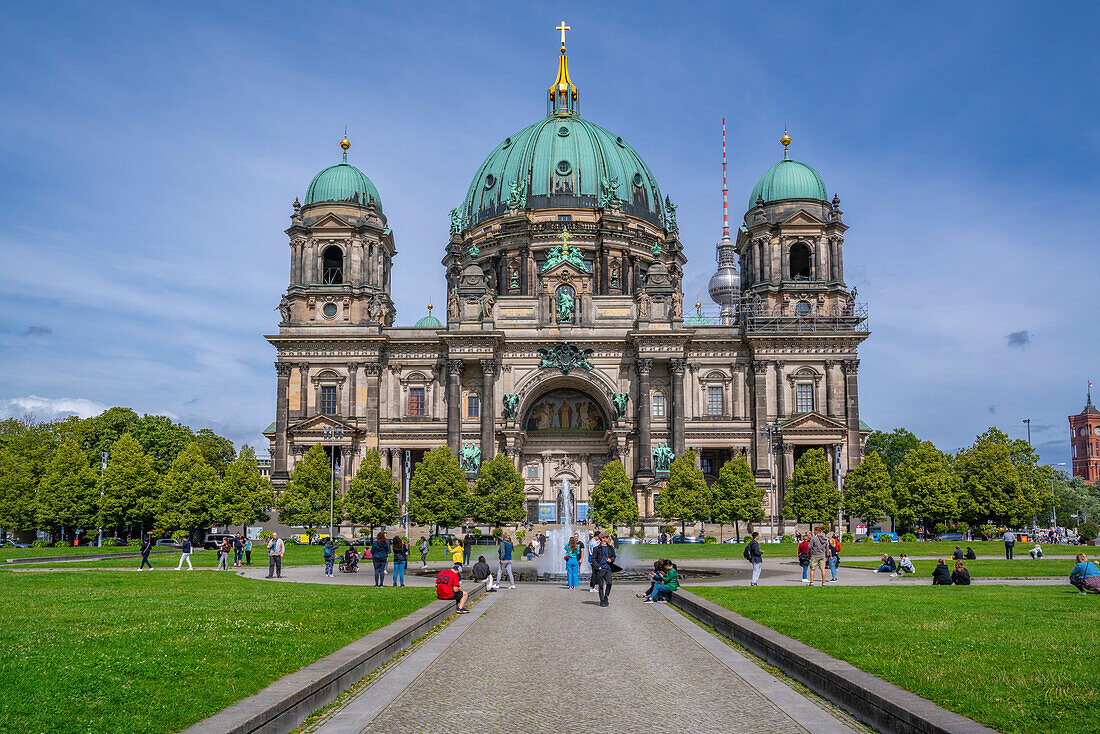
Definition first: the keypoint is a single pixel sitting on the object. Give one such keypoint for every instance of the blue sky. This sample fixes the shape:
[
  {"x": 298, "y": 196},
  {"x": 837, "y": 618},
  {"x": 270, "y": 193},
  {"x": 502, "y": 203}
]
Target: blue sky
[{"x": 149, "y": 154}]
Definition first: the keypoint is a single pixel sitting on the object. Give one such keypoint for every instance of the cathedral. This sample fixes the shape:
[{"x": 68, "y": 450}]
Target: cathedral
[{"x": 565, "y": 343}]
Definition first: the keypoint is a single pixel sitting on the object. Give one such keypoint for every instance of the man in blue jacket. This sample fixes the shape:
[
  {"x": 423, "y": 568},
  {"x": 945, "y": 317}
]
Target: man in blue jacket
[
  {"x": 755, "y": 557},
  {"x": 186, "y": 548},
  {"x": 601, "y": 560},
  {"x": 504, "y": 554}
]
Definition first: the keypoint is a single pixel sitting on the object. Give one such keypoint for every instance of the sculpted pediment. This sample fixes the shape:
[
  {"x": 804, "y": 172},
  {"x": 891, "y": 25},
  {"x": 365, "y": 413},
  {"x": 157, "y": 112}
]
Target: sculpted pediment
[
  {"x": 331, "y": 220},
  {"x": 814, "y": 423},
  {"x": 802, "y": 217},
  {"x": 318, "y": 423}
]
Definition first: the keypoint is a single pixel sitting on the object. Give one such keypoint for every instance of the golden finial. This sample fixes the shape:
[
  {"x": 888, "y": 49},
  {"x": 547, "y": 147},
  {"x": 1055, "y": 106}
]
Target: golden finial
[
  {"x": 345, "y": 144},
  {"x": 698, "y": 307},
  {"x": 785, "y": 140},
  {"x": 429, "y": 308}
]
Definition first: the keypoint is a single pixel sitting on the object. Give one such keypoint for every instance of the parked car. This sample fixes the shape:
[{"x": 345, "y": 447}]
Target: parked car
[
  {"x": 485, "y": 540},
  {"x": 631, "y": 541},
  {"x": 688, "y": 539},
  {"x": 214, "y": 540},
  {"x": 9, "y": 543},
  {"x": 448, "y": 538},
  {"x": 167, "y": 543},
  {"x": 953, "y": 537}
]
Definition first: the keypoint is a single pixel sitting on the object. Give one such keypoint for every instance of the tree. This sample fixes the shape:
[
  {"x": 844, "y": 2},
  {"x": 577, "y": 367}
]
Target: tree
[
  {"x": 892, "y": 447},
  {"x": 67, "y": 495},
  {"x": 867, "y": 490},
  {"x": 925, "y": 487},
  {"x": 735, "y": 497},
  {"x": 612, "y": 502},
  {"x": 218, "y": 452},
  {"x": 244, "y": 496},
  {"x": 162, "y": 439},
  {"x": 24, "y": 454},
  {"x": 686, "y": 496},
  {"x": 1074, "y": 494},
  {"x": 305, "y": 501},
  {"x": 372, "y": 495},
  {"x": 438, "y": 491},
  {"x": 811, "y": 494},
  {"x": 187, "y": 491},
  {"x": 1001, "y": 481},
  {"x": 129, "y": 484},
  {"x": 498, "y": 493},
  {"x": 101, "y": 432}
]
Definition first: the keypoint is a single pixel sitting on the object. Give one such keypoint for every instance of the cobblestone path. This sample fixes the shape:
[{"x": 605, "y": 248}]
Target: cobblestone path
[{"x": 544, "y": 659}]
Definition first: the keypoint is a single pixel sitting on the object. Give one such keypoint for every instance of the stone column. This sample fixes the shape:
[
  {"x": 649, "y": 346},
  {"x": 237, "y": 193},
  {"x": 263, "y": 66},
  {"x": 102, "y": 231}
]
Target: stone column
[
  {"x": 347, "y": 470},
  {"x": 819, "y": 258},
  {"x": 840, "y": 261},
  {"x": 353, "y": 377},
  {"x": 784, "y": 260},
  {"x": 834, "y": 271},
  {"x": 524, "y": 267},
  {"x": 454, "y": 404},
  {"x": 488, "y": 409},
  {"x": 384, "y": 456},
  {"x": 545, "y": 477},
  {"x": 370, "y": 412},
  {"x": 601, "y": 255},
  {"x": 303, "y": 409},
  {"x": 735, "y": 392},
  {"x": 760, "y": 415},
  {"x": 785, "y": 477},
  {"x": 851, "y": 367},
  {"x": 278, "y": 459},
  {"x": 582, "y": 467},
  {"x": 676, "y": 414},
  {"x": 780, "y": 404},
  {"x": 832, "y": 389},
  {"x": 645, "y": 458}
]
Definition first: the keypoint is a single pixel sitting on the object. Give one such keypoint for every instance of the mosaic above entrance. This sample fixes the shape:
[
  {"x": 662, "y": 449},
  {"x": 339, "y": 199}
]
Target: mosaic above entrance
[{"x": 565, "y": 410}]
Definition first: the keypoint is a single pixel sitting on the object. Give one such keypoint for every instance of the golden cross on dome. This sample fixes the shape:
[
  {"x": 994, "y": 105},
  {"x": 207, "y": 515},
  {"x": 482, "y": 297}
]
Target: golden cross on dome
[
  {"x": 564, "y": 239},
  {"x": 563, "y": 28}
]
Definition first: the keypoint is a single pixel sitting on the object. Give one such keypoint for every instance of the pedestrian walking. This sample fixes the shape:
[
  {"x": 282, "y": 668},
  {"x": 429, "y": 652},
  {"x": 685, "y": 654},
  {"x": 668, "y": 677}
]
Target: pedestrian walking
[
  {"x": 804, "y": 557},
  {"x": 248, "y": 551},
  {"x": 504, "y": 556},
  {"x": 423, "y": 552},
  {"x": 604, "y": 558},
  {"x": 467, "y": 546},
  {"x": 400, "y": 560},
  {"x": 593, "y": 543},
  {"x": 573, "y": 553},
  {"x": 223, "y": 555},
  {"x": 1010, "y": 543},
  {"x": 238, "y": 550},
  {"x": 275, "y": 549},
  {"x": 185, "y": 556},
  {"x": 380, "y": 556},
  {"x": 755, "y": 557},
  {"x": 834, "y": 556},
  {"x": 818, "y": 548},
  {"x": 146, "y": 549},
  {"x": 330, "y": 557}
]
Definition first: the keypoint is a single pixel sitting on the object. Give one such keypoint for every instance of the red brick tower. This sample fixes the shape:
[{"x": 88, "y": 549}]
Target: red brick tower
[{"x": 1084, "y": 431}]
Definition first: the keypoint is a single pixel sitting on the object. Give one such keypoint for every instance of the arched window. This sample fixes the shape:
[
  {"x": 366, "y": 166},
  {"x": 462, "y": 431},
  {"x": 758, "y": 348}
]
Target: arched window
[
  {"x": 800, "y": 261},
  {"x": 332, "y": 262}
]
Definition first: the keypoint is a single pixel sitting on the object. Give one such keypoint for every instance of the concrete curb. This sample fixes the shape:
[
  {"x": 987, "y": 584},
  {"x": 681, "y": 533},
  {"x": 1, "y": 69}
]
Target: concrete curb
[
  {"x": 88, "y": 557},
  {"x": 870, "y": 699},
  {"x": 286, "y": 703}
]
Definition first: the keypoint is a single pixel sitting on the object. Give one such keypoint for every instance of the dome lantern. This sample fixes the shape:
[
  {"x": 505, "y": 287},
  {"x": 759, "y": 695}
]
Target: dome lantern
[
  {"x": 343, "y": 183},
  {"x": 788, "y": 179},
  {"x": 561, "y": 98}
]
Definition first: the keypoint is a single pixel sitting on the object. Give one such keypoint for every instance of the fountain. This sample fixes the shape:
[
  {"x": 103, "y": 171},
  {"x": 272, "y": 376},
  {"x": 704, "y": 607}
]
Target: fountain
[{"x": 552, "y": 562}]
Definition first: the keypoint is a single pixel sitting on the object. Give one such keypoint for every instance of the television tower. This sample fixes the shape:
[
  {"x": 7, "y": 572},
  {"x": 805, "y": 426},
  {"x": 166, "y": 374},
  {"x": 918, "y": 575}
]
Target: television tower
[{"x": 725, "y": 289}]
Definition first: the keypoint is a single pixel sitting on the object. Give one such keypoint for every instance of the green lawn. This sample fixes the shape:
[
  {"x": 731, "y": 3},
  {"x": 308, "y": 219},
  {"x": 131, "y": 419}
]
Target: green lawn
[
  {"x": 998, "y": 568},
  {"x": 983, "y": 549},
  {"x": 95, "y": 652},
  {"x": 1020, "y": 659}
]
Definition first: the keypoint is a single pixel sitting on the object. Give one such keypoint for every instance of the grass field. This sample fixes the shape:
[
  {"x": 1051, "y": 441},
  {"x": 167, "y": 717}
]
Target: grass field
[
  {"x": 1019, "y": 659},
  {"x": 996, "y": 568},
  {"x": 97, "y": 652},
  {"x": 983, "y": 549}
]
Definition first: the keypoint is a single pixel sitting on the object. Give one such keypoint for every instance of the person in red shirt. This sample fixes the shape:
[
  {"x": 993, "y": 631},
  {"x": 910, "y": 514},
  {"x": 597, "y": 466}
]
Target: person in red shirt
[{"x": 449, "y": 586}]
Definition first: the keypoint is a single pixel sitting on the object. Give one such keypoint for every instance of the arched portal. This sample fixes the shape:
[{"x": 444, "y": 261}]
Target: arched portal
[
  {"x": 565, "y": 410},
  {"x": 800, "y": 261},
  {"x": 332, "y": 261}
]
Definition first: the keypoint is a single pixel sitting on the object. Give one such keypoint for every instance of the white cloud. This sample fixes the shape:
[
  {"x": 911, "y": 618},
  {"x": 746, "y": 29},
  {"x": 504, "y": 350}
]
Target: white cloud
[{"x": 48, "y": 409}]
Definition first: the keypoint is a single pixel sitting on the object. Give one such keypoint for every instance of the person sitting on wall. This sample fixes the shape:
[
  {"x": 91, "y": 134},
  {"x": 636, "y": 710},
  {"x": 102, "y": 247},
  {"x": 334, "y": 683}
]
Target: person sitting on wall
[
  {"x": 888, "y": 565},
  {"x": 942, "y": 575},
  {"x": 482, "y": 572},
  {"x": 449, "y": 586}
]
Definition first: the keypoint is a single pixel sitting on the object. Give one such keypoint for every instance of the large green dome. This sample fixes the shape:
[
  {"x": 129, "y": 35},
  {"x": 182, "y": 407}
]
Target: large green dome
[
  {"x": 342, "y": 183},
  {"x": 788, "y": 179},
  {"x": 562, "y": 161}
]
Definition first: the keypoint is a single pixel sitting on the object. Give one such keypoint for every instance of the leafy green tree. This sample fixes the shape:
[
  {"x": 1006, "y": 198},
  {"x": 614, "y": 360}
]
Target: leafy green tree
[
  {"x": 372, "y": 495},
  {"x": 867, "y": 490},
  {"x": 187, "y": 491},
  {"x": 1001, "y": 481},
  {"x": 811, "y": 494},
  {"x": 161, "y": 439},
  {"x": 218, "y": 452},
  {"x": 67, "y": 494},
  {"x": 892, "y": 447},
  {"x": 305, "y": 501},
  {"x": 686, "y": 496},
  {"x": 925, "y": 487},
  {"x": 438, "y": 490},
  {"x": 1074, "y": 494},
  {"x": 735, "y": 497},
  {"x": 498, "y": 493},
  {"x": 101, "y": 432},
  {"x": 612, "y": 502},
  {"x": 129, "y": 484},
  {"x": 245, "y": 497}
]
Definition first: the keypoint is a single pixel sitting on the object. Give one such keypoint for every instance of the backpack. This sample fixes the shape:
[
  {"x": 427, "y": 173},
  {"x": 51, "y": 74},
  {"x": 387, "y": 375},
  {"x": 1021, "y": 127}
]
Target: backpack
[{"x": 746, "y": 554}]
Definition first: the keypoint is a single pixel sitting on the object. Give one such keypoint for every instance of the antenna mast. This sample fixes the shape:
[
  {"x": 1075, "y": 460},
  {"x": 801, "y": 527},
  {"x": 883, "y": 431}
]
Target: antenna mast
[{"x": 725, "y": 191}]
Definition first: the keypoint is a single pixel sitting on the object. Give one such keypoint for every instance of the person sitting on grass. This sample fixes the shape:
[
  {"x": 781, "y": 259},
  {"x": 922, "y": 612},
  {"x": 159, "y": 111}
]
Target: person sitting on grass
[
  {"x": 449, "y": 586},
  {"x": 1085, "y": 575},
  {"x": 1036, "y": 553},
  {"x": 960, "y": 576},
  {"x": 888, "y": 564},
  {"x": 670, "y": 581},
  {"x": 970, "y": 554},
  {"x": 942, "y": 575},
  {"x": 958, "y": 554},
  {"x": 904, "y": 566}
]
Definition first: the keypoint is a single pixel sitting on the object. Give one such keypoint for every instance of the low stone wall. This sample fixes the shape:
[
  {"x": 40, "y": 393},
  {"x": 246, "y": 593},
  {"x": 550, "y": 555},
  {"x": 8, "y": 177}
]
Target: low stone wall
[
  {"x": 87, "y": 557},
  {"x": 286, "y": 703},
  {"x": 875, "y": 702}
]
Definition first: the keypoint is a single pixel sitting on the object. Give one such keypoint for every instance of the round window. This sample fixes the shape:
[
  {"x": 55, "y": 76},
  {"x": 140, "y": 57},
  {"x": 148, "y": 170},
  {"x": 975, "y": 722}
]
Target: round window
[
  {"x": 637, "y": 179},
  {"x": 329, "y": 310},
  {"x": 490, "y": 181},
  {"x": 1096, "y": 431},
  {"x": 620, "y": 143},
  {"x": 564, "y": 168},
  {"x": 507, "y": 142},
  {"x": 563, "y": 131},
  {"x": 802, "y": 308}
]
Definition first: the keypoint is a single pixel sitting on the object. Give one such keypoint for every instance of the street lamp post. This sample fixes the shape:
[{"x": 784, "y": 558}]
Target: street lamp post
[
  {"x": 1054, "y": 507},
  {"x": 333, "y": 434},
  {"x": 102, "y": 468},
  {"x": 1028, "y": 422},
  {"x": 772, "y": 431},
  {"x": 840, "y": 510}
]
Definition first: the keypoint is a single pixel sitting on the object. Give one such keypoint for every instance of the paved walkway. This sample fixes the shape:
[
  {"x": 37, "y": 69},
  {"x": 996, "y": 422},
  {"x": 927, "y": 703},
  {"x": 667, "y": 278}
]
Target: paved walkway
[{"x": 542, "y": 658}]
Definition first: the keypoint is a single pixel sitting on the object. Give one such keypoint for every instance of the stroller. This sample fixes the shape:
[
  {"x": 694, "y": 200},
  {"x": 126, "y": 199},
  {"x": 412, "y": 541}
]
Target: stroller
[{"x": 349, "y": 563}]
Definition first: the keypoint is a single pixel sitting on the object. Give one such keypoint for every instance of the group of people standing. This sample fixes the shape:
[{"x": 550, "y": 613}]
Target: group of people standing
[
  {"x": 381, "y": 549},
  {"x": 237, "y": 547},
  {"x": 815, "y": 552}
]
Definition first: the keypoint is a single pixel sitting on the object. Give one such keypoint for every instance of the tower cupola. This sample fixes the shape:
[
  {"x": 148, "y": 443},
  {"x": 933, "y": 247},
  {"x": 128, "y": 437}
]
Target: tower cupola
[{"x": 561, "y": 98}]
